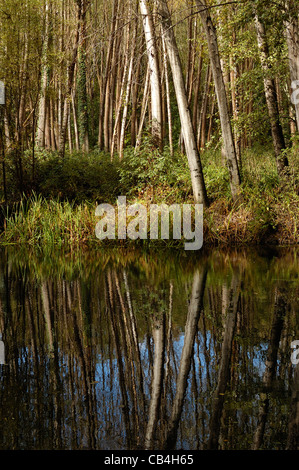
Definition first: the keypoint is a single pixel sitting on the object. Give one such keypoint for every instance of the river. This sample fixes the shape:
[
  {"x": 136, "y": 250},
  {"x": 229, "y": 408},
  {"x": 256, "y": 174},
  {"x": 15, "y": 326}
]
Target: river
[{"x": 125, "y": 349}]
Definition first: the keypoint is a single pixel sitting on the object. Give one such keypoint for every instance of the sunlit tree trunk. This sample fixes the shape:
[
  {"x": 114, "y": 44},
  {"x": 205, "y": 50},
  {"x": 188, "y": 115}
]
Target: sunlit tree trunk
[
  {"x": 155, "y": 76},
  {"x": 41, "y": 121}
]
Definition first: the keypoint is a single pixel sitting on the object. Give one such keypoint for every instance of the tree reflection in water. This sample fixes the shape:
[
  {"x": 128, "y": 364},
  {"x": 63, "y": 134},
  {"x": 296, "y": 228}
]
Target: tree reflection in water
[{"x": 131, "y": 352}]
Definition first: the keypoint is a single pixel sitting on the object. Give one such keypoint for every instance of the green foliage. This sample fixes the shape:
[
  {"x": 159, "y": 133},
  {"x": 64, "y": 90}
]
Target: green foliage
[
  {"x": 76, "y": 177},
  {"x": 149, "y": 168}
]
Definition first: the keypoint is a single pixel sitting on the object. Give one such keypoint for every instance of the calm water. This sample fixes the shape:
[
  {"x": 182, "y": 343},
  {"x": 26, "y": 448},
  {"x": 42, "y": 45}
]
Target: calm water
[{"x": 119, "y": 350}]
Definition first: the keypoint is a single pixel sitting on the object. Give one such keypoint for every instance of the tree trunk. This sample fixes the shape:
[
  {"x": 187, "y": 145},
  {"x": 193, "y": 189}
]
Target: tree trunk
[
  {"x": 41, "y": 121},
  {"x": 155, "y": 79},
  {"x": 82, "y": 90},
  {"x": 66, "y": 108},
  {"x": 271, "y": 97},
  {"x": 227, "y": 134},
  {"x": 197, "y": 179}
]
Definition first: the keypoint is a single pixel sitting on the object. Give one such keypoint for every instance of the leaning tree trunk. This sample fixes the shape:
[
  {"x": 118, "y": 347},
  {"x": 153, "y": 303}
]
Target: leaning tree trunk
[
  {"x": 227, "y": 134},
  {"x": 197, "y": 179}
]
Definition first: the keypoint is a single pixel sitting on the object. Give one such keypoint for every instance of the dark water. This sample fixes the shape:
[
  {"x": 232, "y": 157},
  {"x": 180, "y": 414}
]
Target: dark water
[{"x": 126, "y": 350}]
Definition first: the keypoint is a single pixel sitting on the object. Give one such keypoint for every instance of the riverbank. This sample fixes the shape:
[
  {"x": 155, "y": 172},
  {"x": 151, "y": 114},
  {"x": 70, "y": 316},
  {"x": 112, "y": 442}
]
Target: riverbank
[
  {"x": 267, "y": 221},
  {"x": 61, "y": 211}
]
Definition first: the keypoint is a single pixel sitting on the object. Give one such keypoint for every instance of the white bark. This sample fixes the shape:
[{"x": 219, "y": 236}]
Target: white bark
[
  {"x": 156, "y": 102},
  {"x": 41, "y": 122}
]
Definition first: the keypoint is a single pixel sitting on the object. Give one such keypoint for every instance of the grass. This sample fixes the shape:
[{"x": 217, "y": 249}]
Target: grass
[{"x": 267, "y": 213}]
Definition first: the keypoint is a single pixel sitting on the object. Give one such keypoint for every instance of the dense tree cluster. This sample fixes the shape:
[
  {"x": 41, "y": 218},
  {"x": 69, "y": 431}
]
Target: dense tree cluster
[{"x": 81, "y": 74}]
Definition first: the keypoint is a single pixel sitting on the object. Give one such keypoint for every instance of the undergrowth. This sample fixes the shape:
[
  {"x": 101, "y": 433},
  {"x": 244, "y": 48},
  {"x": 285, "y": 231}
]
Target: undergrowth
[{"x": 59, "y": 208}]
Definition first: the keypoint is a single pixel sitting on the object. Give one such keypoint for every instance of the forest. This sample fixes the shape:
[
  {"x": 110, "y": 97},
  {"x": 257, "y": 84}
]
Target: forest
[
  {"x": 140, "y": 344},
  {"x": 160, "y": 101}
]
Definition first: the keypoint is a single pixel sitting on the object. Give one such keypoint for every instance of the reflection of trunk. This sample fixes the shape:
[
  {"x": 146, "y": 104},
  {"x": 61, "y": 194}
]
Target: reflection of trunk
[
  {"x": 46, "y": 304},
  {"x": 293, "y": 432},
  {"x": 224, "y": 369},
  {"x": 157, "y": 380},
  {"x": 133, "y": 330},
  {"x": 117, "y": 343},
  {"x": 195, "y": 306},
  {"x": 271, "y": 363}
]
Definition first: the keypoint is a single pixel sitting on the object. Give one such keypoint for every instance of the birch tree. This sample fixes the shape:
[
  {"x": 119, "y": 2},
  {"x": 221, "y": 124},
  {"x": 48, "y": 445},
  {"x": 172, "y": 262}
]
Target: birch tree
[{"x": 154, "y": 70}]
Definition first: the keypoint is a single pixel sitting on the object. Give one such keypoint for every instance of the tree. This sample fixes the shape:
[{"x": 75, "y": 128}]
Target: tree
[
  {"x": 271, "y": 96},
  {"x": 154, "y": 70},
  {"x": 197, "y": 178},
  {"x": 227, "y": 134},
  {"x": 82, "y": 72}
]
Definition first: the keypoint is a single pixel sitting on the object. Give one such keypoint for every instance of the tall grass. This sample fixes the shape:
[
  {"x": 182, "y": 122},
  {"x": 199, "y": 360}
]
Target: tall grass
[{"x": 39, "y": 221}]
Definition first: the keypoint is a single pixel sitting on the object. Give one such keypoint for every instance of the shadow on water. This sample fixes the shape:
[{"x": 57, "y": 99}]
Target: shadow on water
[{"x": 127, "y": 350}]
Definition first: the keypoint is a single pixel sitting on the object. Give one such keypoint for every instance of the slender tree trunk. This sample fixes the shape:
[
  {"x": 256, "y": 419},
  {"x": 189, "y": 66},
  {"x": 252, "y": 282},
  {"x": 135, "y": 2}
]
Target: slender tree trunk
[
  {"x": 143, "y": 109},
  {"x": 71, "y": 73},
  {"x": 81, "y": 82},
  {"x": 105, "y": 86},
  {"x": 155, "y": 78},
  {"x": 168, "y": 104},
  {"x": 227, "y": 134},
  {"x": 271, "y": 97},
  {"x": 197, "y": 179},
  {"x": 41, "y": 121}
]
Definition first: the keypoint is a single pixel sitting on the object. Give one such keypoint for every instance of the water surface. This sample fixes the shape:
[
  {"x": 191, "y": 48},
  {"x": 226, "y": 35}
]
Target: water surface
[{"x": 129, "y": 350}]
